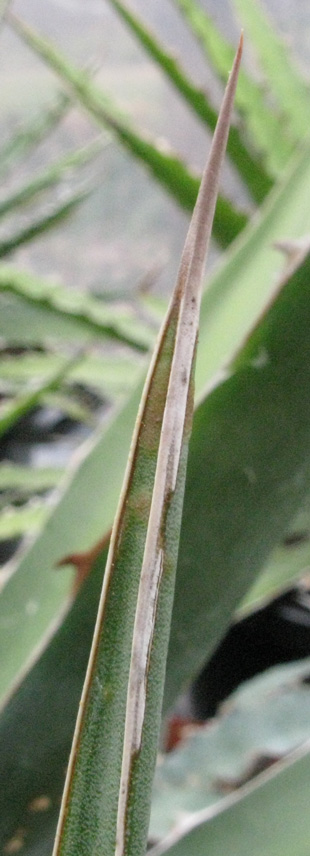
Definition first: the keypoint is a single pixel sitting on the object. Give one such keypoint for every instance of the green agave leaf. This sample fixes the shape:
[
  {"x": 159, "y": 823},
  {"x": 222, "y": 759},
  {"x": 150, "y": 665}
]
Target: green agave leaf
[
  {"x": 244, "y": 283},
  {"x": 79, "y": 525},
  {"x": 264, "y": 720},
  {"x": 26, "y": 479},
  {"x": 119, "y": 717},
  {"x": 15, "y": 522},
  {"x": 286, "y": 84},
  {"x": 67, "y": 400},
  {"x": 269, "y": 815},
  {"x": 33, "y": 575},
  {"x": 37, "y": 724},
  {"x": 108, "y": 374},
  {"x": 253, "y": 425},
  {"x": 49, "y": 177},
  {"x": 61, "y": 305},
  {"x": 30, "y": 323},
  {"x": 45, "y": 222},
  {"x": 264, "y": 125},
  {"x": 230, "y": 533},
  {"x": 41, "y": 714},
  {"x": 30, "y": 134},
  {"x": 289, "y": 562},
  {"x": 167, "y": 168},
  {"x": 250, "y": 170},
  {"x": 11, "y": 411}
]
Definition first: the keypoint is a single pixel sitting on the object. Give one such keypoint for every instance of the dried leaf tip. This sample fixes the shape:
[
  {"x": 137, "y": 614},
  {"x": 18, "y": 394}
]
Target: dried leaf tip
[
  {"x": 199, "y": 233},
  {"x": 240, "y": 46}
]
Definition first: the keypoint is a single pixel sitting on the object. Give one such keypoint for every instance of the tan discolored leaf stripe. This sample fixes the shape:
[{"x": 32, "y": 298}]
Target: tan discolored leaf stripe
[{"x": 108, "y": 789}]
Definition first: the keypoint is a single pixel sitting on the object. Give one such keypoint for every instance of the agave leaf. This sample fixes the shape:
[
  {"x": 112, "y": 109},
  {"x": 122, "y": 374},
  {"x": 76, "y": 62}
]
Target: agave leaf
[
  {"x": 265, "y": 719},
  {"x": 229, "y": 309},
  {"x": 29, "y": 135},
  {"x": 264, "y": 125},
  {"x": 258, "y": 484},
  {"x": 42, "y": 732},
  {"x": 49, "y": 177},
  {"x": 110, "y": 375},
  {"x": 269, "y": 814},
  {"x": 288, "y": 563},
  {"x": 250, "y": 169},
  {"x": 45, "y": 222},
  {"x": 167, "y": 167},
  {"x": 15, "y": 522},
  {"x": 33, "y": 575},
  {"x": 72, "y": 312},
  {"x": 25, "y": 480},
  {"x": 244, "y": 283},
  {"x": 32, "y": 324},
  {"x": 286, "y": 84},
  {"x": 213, "y": 572},
  {"x": 11, "y": 411},
  {"x": 41, "y": 714},
  {"x": 119, "y": 718}
]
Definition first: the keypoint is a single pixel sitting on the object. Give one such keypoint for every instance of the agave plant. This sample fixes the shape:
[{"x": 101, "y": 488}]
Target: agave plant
[{"x": 247, "y": 483}]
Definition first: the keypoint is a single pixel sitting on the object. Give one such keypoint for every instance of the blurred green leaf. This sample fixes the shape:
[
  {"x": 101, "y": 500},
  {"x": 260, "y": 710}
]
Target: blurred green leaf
[
  {"x": 4, "y": 5},
  {"x": 285, "y": 84},
  {"x": 68, "y": 402},
  {"x": 78, "y": 524},
  {"x": 30, "y": 134},
  {"x": 263, "y": 124},
  {"x": 269, "y": 815},
  {"x": 64, "y": 307},
  {"x": 249, "y": 168},
  {"x": 42, "y": 224},
  {"x": 167, "y": 167},
  {"x": 247, "y": 277},
  {"x": 109, "y": 374},
  {"x": 247, "y": 439},
  {"x": 15, "y": 522},
  {"x": 264, "y": 720},
  {"x": 28, "y": 479},
  {"x": 11, "y": 411},
  {"x": 37, "y": 722},
  {"x": 49, "y": 177},
  {"x": 289, "y": 562}
]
